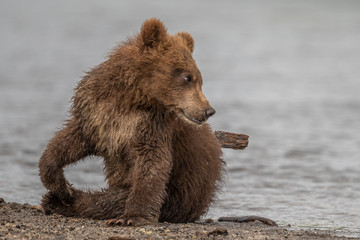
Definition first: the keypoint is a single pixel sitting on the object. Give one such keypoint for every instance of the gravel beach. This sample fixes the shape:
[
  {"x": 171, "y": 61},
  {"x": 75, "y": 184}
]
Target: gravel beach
[{"x": 24, "y": 221}]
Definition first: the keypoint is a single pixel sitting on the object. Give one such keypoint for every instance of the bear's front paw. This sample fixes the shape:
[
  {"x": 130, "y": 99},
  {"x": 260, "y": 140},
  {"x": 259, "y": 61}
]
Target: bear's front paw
[
  {"x": 131, "y": 221},
  {"x": 65, "y": 195}
]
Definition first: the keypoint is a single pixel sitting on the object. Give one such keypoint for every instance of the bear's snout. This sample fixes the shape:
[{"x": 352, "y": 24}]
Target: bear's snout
[{"x": 209, "y": 112}]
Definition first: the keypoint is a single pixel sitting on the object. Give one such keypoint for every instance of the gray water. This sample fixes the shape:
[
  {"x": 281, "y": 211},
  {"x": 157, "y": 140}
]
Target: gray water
[{"x": 287, "y": 73}]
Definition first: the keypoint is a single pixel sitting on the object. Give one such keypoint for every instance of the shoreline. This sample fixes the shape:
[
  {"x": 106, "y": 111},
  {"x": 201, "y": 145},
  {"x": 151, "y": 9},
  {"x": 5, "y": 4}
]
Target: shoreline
[{"x": 24, "y": 221}]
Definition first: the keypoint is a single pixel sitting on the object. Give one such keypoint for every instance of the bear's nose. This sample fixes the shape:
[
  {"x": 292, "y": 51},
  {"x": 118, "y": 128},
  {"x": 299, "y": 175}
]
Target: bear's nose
[{"x": 209, "y": 112}]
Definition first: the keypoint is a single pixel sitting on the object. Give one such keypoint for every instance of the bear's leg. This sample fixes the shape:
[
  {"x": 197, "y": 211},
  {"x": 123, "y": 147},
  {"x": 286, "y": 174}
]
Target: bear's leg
[
  {"x": 66, "y": 147},
  {"x": 150, "y": 174},
  {"x": 105, "y": 204}
]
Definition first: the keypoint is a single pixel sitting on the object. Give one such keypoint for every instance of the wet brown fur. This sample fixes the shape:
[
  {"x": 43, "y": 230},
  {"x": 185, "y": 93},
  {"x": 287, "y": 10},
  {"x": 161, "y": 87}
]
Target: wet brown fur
[{"x": 137, "y": 111}]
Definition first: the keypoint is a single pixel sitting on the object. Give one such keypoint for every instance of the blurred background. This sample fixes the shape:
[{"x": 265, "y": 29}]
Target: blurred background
[{"x": 287, "y": 73}]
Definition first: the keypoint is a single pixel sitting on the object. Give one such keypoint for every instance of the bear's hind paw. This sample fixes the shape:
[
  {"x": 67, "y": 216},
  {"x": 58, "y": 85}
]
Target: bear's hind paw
[{"x": 131, "y": 222}]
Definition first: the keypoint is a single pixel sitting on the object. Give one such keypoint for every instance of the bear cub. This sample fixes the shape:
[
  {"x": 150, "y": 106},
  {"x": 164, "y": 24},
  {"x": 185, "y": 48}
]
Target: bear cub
[{"x": 143, "y": 111}]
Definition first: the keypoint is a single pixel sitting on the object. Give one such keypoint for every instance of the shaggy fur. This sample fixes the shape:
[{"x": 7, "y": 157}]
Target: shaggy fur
[{"x": 143, "y": 111}]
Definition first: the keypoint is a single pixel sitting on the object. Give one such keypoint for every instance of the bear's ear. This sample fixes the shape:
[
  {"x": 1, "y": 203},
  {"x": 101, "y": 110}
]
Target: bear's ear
[
  {"x": 153, "y": 33},
  {"x": 188, "y": 40}
]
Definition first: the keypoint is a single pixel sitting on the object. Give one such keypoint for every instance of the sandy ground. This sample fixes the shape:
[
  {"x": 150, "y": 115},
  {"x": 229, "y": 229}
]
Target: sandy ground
[{"x": 23, "y": 221}]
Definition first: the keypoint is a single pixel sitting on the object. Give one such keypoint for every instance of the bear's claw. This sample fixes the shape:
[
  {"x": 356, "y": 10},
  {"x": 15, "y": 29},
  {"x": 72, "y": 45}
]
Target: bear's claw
[{"x": 134, "y": 222}]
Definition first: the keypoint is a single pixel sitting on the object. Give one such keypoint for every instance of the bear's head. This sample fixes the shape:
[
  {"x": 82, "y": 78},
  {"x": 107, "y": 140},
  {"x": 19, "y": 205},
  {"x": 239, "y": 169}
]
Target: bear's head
[
  {"x": 161, "y": 67},
  {"x": 170, "y": 73}
]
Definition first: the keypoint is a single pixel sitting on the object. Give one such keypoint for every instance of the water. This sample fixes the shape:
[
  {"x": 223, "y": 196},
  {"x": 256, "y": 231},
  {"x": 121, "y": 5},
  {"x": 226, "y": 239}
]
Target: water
[{"x": 285, "y": 73}]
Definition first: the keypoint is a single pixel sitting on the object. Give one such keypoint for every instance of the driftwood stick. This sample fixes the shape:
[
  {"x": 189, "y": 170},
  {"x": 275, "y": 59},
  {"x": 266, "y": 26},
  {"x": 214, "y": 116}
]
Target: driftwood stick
[
  {"x": 266, "y": 221},
  {"x": 232, "y": 140}
]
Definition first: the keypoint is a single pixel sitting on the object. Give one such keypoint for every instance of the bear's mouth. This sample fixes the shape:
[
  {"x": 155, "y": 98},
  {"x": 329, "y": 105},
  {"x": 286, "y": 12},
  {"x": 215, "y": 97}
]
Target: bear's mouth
[{"x": 188, "y": 117}]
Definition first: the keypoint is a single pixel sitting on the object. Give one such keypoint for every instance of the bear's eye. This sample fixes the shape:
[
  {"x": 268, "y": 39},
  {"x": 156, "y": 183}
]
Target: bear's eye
[{"x": 188, "y": 78}]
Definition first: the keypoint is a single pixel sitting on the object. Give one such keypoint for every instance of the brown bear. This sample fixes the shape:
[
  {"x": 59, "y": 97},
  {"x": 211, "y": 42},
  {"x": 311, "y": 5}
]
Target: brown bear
[{"x": 144, "y": 112}]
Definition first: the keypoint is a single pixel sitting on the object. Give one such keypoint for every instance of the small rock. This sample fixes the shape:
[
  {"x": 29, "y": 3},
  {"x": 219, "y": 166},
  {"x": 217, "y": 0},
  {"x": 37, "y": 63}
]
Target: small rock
[
  {"x": 209, "y": 220},
  {"x": 120, "y": 238},
  {"x": 218, "y": 232},
  {"x": 200, "y": 235}
]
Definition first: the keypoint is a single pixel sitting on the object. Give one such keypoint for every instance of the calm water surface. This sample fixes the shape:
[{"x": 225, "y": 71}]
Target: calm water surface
[{"x": 285, "y": 73}]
